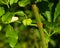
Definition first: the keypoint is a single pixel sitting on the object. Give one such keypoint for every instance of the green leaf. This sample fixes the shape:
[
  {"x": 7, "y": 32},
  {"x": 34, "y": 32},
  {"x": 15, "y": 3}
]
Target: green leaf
[
  {"x": 50, "y": 25},
  {"x": 11, "y": 2},
  {"x": 19, "y": 45},
  {"x": 15, "y": 1},
  {"x": 23, "y": 3},
  {"x": 2, "y": 11},
  {"x": 47, "y": 15},
  {"x": 20, "y": 13},
  {"x": 7, "y": 17},
  {"x": 3, "y": 2},
  {"x": 57, "y": 11},
  {"x": 57, "y": 30},
  {"x": 11, "y": 35},
  {"x": 58, "y": 20},
  {"x": 50, "y": 6},
  {"x": 47, "y": 39},
  {"x": 29, "y": 13},
  {"x": 53, "y": 42},
  {"x": 38, "y": 0},
  {"x": 12, "y": 41},
  {"x": 46, "y": 32},
  {"x": 42, "y": 18}
]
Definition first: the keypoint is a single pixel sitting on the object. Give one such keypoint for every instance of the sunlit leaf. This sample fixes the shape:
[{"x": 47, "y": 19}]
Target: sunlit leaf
[
  {"x": 23, "y": 3},
  {"x": 15, "y": 1},
  {"x": 11, "y": 2},
  {"x": 48, "y": 15}
]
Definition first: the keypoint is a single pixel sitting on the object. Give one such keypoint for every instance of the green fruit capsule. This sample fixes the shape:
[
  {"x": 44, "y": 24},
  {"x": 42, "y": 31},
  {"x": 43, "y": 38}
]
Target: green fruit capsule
[{"x": 27, "y": 22}]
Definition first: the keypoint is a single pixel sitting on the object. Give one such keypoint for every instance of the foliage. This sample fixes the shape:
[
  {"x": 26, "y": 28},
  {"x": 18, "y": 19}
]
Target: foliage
[{"x": 18, "y": 26}]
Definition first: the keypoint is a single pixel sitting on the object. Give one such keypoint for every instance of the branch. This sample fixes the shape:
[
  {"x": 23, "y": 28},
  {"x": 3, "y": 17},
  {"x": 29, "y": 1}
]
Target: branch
[{"x": 40, "y": 26}]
